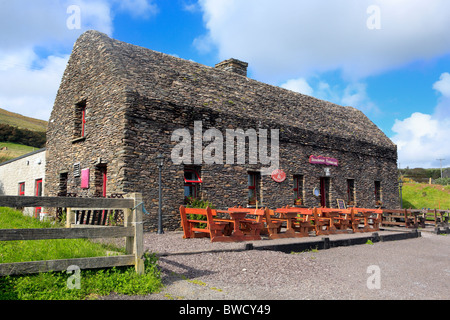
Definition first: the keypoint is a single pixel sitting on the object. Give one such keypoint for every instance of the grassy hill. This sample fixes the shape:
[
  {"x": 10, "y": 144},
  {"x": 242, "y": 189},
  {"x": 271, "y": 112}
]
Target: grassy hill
[
  {"x": 9, "y": 150},
  {"x": 17, "y": 120},
  {"x": 421, "y": 195}
]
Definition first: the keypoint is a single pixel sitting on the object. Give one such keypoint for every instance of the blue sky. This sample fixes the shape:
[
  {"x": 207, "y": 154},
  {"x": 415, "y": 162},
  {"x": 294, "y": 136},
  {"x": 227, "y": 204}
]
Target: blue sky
[{"x": 390, "y": 59}]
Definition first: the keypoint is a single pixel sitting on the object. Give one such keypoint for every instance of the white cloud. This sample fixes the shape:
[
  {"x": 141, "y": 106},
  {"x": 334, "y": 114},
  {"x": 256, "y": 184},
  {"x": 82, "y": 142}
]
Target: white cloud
[
  {"x": 192, "y": 7},
  {"x": 288, "y": 39},
  {"x": 353, "y": 95},
  {"x": 138, "y": 8},
  {"x": 298, "y": 85},
  {"x": 44, "y": 23},
  {"x": 29, "y": 81},
  {"x": 29, "y": 90},
  {"x": 422, "y": 138},
  {"x": 443, "y": 85}
]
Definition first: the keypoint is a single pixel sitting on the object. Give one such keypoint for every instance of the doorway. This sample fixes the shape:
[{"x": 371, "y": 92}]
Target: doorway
[
  {"x": 38, "y": 193},
  {"x": 100, "y": 180},
  {"x": 325, "y": 192}
]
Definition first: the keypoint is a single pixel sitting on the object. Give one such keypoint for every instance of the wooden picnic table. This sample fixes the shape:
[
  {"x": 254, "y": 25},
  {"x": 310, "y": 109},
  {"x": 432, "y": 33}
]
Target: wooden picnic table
[
  {"x": 298, "y": 222},
  {"x": 340, "y": 220},
  {"x": 289, "y": 216},
  {"x": 212, "y": 228},
  {"x": 244, "y": 229},
  {"x": 371, "y": 218}
]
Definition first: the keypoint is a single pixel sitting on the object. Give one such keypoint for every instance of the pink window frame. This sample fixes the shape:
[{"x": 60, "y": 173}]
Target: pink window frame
[
  {"x": 22, "y": 189},
  {"x": 83, "y": 120}
]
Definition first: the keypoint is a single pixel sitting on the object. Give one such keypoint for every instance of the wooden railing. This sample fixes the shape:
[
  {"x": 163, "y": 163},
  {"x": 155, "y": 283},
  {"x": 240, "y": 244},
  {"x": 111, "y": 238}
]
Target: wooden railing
[{"x": 132, "y": 230}]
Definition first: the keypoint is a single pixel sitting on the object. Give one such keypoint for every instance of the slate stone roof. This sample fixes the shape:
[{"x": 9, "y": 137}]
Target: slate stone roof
[{"x": 159, "y": 76}]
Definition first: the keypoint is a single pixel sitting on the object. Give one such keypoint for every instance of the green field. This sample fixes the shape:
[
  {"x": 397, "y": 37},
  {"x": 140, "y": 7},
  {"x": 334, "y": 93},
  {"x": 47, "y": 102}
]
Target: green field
[
  {"x": 53, "y": 285},
  {"x": 421, "y": 195},
  {"x": 17, "y": 120},
  {"x": 10, "y": 150}
]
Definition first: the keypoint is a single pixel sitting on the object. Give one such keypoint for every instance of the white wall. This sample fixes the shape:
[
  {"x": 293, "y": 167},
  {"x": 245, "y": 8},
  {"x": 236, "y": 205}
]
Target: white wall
[{"x": 28, "y": 169}]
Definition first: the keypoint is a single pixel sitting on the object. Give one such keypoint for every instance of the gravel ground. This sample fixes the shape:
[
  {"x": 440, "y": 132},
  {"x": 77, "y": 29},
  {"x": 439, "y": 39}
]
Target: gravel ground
[{"x": 409, "y": 269}]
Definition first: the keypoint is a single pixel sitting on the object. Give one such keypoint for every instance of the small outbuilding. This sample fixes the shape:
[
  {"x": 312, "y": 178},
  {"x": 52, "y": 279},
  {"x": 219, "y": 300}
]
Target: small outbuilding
[{"x": 24, "y": 176}]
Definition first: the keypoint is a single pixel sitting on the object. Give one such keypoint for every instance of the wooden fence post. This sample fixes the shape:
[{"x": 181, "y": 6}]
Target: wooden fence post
[
  {"x": 70, "y": 218},
  {"x": 127, "y": 222},
  {"x": 135, "y": 244}
]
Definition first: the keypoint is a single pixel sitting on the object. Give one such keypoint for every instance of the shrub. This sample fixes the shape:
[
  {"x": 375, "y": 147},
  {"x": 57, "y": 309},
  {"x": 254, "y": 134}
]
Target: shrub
[{"x": 442, "y": 181}]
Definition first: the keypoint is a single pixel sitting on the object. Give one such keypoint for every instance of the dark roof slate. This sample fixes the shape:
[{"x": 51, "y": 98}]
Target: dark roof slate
[{"x": 160, "y": 76}]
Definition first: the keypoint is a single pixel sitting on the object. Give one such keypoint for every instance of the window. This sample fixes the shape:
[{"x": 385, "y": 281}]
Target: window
[
  {"x": 378, "y": 193},
  {"x": 192, "y": 182},
  {"x": 38, "y": 188},
  {"x": 38, "y": 193},
  {"x": 298, "y": 189},
  {"x": 351, "y": 192},
  {"x": 77, "y": 170},
  {"x": 22, "y": 189},
  {"x": 63, "y": 178},
  {"x": 254, "y": 181},
  {"x": 80, "y": 120}
]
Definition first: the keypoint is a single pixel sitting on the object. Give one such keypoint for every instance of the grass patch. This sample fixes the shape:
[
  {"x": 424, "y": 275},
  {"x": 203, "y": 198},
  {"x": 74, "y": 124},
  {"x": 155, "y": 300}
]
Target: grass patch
[
  {"x": 18, "y": 120},
  {"x": 53, "y": 285},
  {"x": 421, "y": 195},
  {"x": 93, "y": 283},
  {"x": 38, "y": 250},
  {"x": 13, "y": 150}
]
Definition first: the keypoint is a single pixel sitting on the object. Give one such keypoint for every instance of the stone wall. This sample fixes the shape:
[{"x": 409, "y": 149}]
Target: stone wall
[
  {"x": 136, "y": 98},
  {"x": 152, "y": 122},
  {"x": 88, "y": 79}
]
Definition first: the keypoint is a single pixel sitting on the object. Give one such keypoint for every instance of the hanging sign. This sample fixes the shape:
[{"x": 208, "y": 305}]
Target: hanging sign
[
  {"x": 323, "y": 160},
  {"x": 278, "y": 175},
  {"x": 85, "y": 179}
]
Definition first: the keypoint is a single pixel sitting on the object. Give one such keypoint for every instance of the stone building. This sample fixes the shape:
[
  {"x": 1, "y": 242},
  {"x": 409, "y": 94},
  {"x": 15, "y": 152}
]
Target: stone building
[
  {"x": 24, "y": 176},
  {"x": 120, "y": 105}
]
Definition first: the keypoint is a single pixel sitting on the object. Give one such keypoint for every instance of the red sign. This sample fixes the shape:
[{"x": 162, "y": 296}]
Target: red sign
[
  {"x": 323, "y": 160},
  {"x": 278, "y": 176}
]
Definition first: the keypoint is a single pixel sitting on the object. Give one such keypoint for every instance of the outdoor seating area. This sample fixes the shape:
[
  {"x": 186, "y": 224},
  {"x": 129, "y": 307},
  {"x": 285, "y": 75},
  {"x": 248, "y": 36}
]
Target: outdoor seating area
[
  {"x": 414, "y": 218},
  {"x": 246, "y": 224}
]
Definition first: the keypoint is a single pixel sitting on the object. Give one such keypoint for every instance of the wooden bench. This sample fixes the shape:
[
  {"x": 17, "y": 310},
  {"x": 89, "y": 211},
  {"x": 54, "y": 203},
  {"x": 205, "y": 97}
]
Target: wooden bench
[
  {"x": 297, "y": 220},
  {"x": 416, "y": 219},
  {"x": 245, "y": 227},
  {"x": 396, "y": 217},
  {"x": 322, "y": 224},
  {"x": 304, "y": 222},
  {"x": 444, "y": 217},
  {"x": 371, "y": 219},
  {"x": 213, "y": 229},
  {"x": 436, "y": 217},
  {"x": 341, "y": 219}
]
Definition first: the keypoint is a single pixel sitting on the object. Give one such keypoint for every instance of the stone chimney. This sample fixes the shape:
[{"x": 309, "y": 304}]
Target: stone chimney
[{"x": 233, "y": 65}]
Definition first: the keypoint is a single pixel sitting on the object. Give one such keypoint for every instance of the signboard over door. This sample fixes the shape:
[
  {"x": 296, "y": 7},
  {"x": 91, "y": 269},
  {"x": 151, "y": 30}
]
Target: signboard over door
[{"x": 323, "y": 160}]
